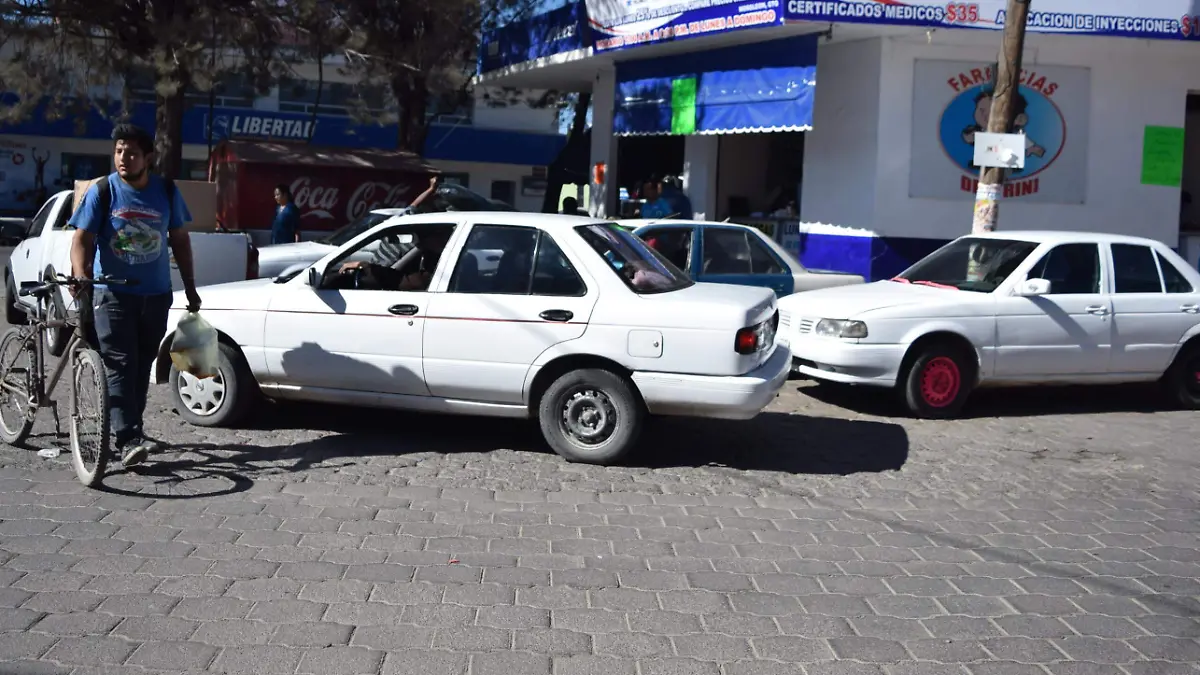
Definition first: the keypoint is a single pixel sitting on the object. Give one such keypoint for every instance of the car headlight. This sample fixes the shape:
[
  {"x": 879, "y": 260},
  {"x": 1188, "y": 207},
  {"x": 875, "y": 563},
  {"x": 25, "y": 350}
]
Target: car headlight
[{"x": 839, "y": 328}]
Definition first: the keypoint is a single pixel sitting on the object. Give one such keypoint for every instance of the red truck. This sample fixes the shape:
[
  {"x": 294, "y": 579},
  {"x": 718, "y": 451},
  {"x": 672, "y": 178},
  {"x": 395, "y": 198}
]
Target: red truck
[{"x": 330, "y": 186}]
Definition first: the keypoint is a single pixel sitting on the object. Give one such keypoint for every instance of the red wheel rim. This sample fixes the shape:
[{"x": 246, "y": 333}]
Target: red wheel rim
[{"x": 940, "y": 382}]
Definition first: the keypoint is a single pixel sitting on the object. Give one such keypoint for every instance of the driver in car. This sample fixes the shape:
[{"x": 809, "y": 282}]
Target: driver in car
[{"x": 416, "y": 274}]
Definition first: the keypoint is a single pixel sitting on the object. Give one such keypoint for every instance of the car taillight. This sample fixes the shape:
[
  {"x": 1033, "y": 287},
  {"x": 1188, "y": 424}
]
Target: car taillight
[
  {"x": 757, "y": 337},
  {"x": 746, "y": 341}
]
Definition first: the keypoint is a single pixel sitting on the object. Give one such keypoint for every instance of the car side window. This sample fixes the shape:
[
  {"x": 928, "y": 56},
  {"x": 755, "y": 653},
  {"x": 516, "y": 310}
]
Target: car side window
[
  {"x": 553, "y": 274},
  {"x": 1173, "y": 279},
  {"x": 1071, "y": 269},
  {"x": 762, "y": 259},
  {"x": 1134, "y": 269},
  {"x": 39, "y": 221},
  {"x": 497, "y": 259},
  {"x": 674, "y": 243},
  {"x": 64, "y": 213},
  {"x": 726, "y": 251}
]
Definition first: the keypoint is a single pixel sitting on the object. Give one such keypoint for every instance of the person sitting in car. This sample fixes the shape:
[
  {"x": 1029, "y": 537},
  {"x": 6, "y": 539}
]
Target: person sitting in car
[{"x": 416, "y": 273}]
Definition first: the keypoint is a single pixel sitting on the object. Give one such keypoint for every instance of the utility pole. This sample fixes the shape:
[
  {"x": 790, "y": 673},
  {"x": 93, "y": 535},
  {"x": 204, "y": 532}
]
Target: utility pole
[{"x": 991, "y": 179}]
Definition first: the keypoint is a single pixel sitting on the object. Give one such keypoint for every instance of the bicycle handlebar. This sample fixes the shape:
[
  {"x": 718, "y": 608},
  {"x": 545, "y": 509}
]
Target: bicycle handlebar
[{"x": 64, "y": 280}]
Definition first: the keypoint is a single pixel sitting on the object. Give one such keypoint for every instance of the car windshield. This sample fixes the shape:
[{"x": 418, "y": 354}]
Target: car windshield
[
  {"x": 345, "y": 234},
  {"x": 642, "y": 269},
  {"x": 969, "y": 264}
]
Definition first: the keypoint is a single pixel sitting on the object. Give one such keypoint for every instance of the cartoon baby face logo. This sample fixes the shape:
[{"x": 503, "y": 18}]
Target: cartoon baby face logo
[
  {"x": 137, "y": 239},
  {"x": 1034, "y": 114}
]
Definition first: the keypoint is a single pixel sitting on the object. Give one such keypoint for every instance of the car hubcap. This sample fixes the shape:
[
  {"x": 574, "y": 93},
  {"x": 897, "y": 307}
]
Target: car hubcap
[
  {"x": 202, "y": 397},
  {"x": 589, "y": 417},
  {"x": 940, "y": 382}
]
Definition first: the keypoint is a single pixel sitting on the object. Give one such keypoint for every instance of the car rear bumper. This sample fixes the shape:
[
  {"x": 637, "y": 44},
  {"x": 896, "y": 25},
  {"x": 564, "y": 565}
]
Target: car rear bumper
[
  {"x": 736, "y": 398},
  {"x": 847, "y": 362}
]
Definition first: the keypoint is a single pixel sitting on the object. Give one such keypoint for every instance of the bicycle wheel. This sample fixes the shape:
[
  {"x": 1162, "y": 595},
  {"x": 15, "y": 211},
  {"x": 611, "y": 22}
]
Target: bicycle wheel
[
  {"x": 16, "y": 386},
  {"x": 89, "y": 416}
]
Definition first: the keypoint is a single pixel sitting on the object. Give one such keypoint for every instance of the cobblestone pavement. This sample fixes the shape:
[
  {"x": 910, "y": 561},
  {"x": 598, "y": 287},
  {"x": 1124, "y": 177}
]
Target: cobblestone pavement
[{"x": 1059, "y": 539}]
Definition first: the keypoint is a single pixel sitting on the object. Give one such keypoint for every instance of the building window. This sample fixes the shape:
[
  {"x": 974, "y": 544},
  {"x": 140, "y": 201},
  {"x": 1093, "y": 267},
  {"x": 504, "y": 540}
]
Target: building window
[
  {"x": 233, "y": 90},
  {"x": 505, "y": 191},
  {"x": 84, "y": 167},
  {"x": 337, "y": 98},
  {"x": 194, "y": 169}
]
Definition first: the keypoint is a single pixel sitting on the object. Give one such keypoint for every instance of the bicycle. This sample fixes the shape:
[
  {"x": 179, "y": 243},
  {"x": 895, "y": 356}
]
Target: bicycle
[{"x": 25, "y": 389}]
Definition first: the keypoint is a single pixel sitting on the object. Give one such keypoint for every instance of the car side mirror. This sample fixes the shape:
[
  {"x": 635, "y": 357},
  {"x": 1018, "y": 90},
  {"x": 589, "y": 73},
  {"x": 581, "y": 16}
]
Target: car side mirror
[
  {"x": 1034, "y": 287},
  {"x": 314, "y": 277}
]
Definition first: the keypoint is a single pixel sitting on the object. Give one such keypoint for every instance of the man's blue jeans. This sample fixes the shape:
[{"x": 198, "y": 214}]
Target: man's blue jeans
[{"x": 129, "y": 329}]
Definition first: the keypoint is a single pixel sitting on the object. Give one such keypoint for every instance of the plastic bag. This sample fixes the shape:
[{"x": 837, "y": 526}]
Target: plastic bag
[{"x": 194, "y": 347}]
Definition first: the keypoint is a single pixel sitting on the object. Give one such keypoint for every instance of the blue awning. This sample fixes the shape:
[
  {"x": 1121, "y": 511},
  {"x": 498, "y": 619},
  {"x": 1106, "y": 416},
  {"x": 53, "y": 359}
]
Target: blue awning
[{"x": 766, "y": 86}]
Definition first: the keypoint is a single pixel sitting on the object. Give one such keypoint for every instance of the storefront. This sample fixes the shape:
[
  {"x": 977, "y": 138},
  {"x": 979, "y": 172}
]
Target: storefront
[{"x": 887, "y": 97}]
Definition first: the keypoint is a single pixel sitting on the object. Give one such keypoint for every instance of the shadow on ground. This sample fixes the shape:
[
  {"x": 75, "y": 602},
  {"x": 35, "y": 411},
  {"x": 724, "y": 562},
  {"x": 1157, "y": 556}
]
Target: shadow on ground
[
  {"x": 777, "y": 442},
  {"x": 1041, "y": 401}
]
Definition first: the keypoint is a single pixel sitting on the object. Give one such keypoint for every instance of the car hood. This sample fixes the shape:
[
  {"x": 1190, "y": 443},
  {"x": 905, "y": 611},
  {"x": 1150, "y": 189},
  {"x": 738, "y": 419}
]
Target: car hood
[
  {"x": 301, "y": 250},
  {"x": 846, "y": 302},
  {"x": 252, "y": 294}
]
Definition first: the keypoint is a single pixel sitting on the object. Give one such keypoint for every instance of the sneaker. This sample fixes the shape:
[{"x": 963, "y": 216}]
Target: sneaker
[{"x": 137, "y": 449}]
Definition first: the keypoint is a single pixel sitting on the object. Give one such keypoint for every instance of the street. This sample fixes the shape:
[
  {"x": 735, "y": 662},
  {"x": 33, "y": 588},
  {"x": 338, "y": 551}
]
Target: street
[{"x": 1052, "y": 531}]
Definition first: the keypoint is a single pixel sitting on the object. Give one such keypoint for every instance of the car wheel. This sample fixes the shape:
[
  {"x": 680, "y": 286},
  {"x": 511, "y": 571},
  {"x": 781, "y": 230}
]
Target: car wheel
[
  {"x": 219, "y": 401},
  {"x": 591, "y": 416},
  {"x": 938, "y": 382},
  {"x": 1183, "y": 378},
  {"x": 54, "y": 309},
  {"x": 12, "y": 312}
]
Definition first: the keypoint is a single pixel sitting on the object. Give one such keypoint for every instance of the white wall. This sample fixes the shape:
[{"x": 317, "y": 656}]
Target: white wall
[
  {"x": 840, "y": 152},
  {"x": 1134, "y": 83},
  {"x": 481, "y": 176}
]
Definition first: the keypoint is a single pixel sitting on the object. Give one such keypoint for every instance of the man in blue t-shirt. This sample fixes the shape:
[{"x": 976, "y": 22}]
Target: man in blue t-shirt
[
  {"x": 286, "y": 228},
  {"x": 145, "y": 215}
]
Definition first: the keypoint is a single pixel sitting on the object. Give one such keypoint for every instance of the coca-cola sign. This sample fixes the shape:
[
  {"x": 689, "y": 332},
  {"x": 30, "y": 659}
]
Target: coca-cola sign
[{"x": 321, "y": 201}]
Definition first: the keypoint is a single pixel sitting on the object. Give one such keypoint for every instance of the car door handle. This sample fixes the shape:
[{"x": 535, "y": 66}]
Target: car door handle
[
  {"x": 1098, "y": 310},
  {"x": 403, "y": 310},
  {"x": 560, "y": 315}
]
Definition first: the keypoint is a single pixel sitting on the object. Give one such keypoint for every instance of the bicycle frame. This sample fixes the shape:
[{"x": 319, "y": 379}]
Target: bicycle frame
[{"x": 43, "y": 386}]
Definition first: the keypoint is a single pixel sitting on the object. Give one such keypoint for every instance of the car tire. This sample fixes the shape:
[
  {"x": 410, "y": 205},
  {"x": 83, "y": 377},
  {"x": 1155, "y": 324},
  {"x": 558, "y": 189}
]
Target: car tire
[
  {"x": 938, "y": 382},
  {"x": 220, "y": 401},
  {"x": 1182, "y": 379},
  {"x": 56, "y": 310},
  {"x": 12, "y": 312},
  {"x": 591, "y": 403}
]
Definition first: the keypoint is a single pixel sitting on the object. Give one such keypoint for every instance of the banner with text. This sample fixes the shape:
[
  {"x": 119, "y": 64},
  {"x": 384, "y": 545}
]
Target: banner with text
[
  {"x": 617, "y": 24},
  {"x": 952, "y": 102},
  {"x": 1149, "y": 19}
]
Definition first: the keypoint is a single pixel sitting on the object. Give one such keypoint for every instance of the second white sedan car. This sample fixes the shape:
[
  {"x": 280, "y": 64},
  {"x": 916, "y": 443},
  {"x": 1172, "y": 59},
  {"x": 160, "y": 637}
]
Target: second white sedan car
[
  {"x": 570, "y": 321},
  {"x": 1008, "y": 308}
]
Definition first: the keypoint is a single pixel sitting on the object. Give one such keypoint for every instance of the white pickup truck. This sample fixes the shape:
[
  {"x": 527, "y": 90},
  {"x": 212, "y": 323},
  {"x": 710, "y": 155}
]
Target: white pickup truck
[{"x": 218, "y": 258}]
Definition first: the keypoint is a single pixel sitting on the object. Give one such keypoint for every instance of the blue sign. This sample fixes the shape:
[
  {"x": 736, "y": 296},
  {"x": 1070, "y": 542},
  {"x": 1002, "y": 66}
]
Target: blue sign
[
  {"x": 1148, "y": 19},
  {"x": 1035, "y": 115},
  {"x": 617, "y": 24},
  {"x": 555, "y": 32}
]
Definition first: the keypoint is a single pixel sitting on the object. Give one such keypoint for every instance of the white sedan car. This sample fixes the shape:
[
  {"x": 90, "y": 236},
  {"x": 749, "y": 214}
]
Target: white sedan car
[
  {"x": 1008, "y": 308},
  {"x": 577, "y": 324}
]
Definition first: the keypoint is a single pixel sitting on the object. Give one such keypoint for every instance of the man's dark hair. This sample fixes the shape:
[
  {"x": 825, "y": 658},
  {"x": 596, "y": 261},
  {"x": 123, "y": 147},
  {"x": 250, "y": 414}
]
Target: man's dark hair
[
  {"x": 131, "y": 133},
  {"x": 570, "y": 203},
  {"x": 285, "y": 191}
]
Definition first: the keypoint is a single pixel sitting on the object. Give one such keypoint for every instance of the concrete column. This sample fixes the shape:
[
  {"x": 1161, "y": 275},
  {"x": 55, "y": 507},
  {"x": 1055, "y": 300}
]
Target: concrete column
[
  {"x": 604, "y": 201},
  {"x": 700, "y": 155}
]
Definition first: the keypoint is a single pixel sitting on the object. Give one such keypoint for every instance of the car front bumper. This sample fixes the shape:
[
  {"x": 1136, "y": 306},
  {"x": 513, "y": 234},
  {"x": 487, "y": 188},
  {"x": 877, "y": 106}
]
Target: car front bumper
[
  {"x": 734, "y": 398},
  {"x": 846, "y": 361}
]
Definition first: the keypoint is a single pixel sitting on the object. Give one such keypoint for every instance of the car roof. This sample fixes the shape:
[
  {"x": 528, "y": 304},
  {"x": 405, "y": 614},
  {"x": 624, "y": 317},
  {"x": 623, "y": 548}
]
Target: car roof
[
  {"x": 1063, "y": 237},
  {"x": 543, "y": 220},
  {"x": 675, "y": 222}
]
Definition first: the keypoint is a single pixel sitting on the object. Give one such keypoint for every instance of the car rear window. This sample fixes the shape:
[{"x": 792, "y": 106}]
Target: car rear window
[{"x": 642, "y": 268}]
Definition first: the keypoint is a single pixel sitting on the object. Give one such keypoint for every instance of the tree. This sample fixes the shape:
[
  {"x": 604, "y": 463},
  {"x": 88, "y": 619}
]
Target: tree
[
  {"x": 423, "y": 51},
  {"x": 78, "y": 48}
]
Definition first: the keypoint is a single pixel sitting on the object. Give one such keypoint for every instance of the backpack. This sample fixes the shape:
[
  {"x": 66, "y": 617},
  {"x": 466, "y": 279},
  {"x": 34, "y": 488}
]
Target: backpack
[{"x": 105, "y": 193}]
